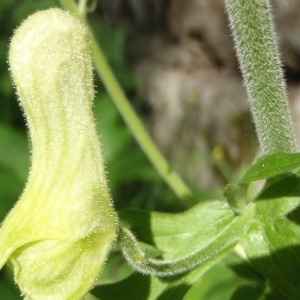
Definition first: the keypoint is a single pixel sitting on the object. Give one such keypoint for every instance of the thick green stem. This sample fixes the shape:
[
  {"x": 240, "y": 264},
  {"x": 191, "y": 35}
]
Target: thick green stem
[
  {"x": 257, "y": 50},
  {"x": 131, "y": 119}
]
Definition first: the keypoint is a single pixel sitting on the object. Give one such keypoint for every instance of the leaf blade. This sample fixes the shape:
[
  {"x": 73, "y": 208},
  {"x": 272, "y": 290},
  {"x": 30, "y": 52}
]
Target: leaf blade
[
  {"x": 273, "y": 250},
  {"x": 170, "y": 232},
  {"x": 271, "y": 165}
]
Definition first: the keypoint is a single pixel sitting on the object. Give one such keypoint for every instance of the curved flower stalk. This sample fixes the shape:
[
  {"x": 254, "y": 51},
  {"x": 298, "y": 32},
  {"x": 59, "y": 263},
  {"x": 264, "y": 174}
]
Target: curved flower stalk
[{"x": 58, "y": 235}]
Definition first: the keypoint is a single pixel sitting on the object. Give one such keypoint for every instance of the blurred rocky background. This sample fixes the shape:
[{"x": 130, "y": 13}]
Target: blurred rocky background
[{"x": 184, "y": 59}]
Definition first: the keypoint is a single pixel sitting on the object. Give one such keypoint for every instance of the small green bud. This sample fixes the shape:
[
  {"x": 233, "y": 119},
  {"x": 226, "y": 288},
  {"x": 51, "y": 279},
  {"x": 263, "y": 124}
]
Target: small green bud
[
  {"x": 236, "y": 195},
  {"x": 59, "y": 234}
]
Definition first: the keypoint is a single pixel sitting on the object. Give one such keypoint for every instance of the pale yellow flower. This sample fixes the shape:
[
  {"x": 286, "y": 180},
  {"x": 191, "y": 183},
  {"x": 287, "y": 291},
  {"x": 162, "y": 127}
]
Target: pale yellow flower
[{"x": 58, "y": 235}]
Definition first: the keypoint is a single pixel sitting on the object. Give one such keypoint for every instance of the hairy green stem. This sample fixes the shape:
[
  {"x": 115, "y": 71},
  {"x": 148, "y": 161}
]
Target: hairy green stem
[
  {"x": 223, "y": 242},
  {"x": 257, "y": 50},
  {"x": 132, "y": 120}
]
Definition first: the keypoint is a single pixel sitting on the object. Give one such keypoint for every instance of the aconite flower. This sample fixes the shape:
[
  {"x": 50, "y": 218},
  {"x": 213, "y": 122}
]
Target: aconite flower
[{"x": 57, "y": 237}]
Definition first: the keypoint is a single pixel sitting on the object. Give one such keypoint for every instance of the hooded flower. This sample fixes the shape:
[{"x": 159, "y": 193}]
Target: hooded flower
[{"x": 58, "y": 235}]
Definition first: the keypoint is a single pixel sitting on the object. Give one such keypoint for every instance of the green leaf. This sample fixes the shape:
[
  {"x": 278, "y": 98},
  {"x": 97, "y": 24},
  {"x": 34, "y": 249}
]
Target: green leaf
[
  {"x": 14, "y": 154},
  {"x": 179, "y": 235},
  {"x": 9, "y": 290},
  {"x": 271, "y": 165},
  {"x": 114, "y": 136},
  {"x": 219, "y": 282},
  {"x": 186, "y": 240},
  {"x": 226, "y": 279},
  {"x": 274, "y": 250},
  {"x": 116, "y": 268},
  {"x": 279, "y": 199},
  {"x": 248, "y": 292},
  {"x": 10, "y": 189},
  {"x": 142, "y": 287},
  {"x": 210, "y": 229},
  {"x": 272, "y": 243},
  {"x": 117, "y": 147}
]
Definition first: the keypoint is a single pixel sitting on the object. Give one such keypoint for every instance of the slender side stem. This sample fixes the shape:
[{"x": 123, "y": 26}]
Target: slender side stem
[
  {"x": 136, "y": 127},
  {"x": 132, "y": 120},
  {"x": 71, "y": 6},
  {"x": 82, "y": 7},
  {"x": 257, "y": 50},
  {"x": 223, "y": 242}
]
